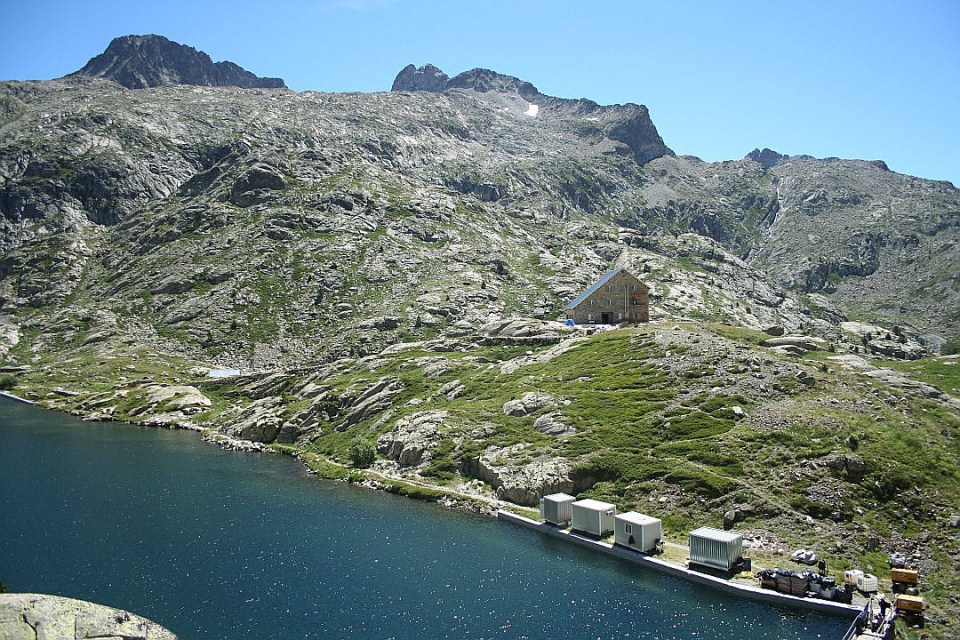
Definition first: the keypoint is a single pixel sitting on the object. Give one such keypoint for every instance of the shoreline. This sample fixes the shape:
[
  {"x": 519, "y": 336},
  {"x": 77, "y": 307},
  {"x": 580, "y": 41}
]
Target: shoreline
[
  {"x": 475, "y": 504},
  {"x": 742, "y": 590},
  {"x": 16, "y": 398},
  {"x": 485, "y": 506},
  {"x": 444, "y": 496}
]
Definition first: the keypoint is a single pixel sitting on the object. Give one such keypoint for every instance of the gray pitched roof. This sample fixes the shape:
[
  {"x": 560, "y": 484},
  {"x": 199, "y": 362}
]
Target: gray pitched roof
[{"x": 596, "y": 285}]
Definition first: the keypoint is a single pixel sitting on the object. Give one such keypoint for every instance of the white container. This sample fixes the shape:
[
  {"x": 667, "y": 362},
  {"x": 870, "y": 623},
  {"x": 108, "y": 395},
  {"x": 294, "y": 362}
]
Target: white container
[
  {"x": 637, "y": 531},
  {"x": 852, "y": 577},
  {"x": 593, "y": 517},
  {"x": 867, "y": 583},
  {"x": 556, "y": 509},
  {"x": 715, "y": 548}
]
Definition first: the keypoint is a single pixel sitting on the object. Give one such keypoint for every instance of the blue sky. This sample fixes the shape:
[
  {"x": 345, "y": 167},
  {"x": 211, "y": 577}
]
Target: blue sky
[{"x": 849, "y": 78}]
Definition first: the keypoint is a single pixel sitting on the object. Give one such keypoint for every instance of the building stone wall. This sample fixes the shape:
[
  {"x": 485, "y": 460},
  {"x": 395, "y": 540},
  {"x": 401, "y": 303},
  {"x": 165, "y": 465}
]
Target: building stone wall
[{"x": 622, "y": 298}]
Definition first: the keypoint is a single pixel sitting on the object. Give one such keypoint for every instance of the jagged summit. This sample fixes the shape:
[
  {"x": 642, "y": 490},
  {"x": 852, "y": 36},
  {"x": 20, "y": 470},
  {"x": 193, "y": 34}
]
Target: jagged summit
[
  {"x": 431, "y": 78},
  {"x": 768, "y": 157},
  {"x": 629, "y": 123},
  {"x": 138, "y": 62},
  {"x": 425, "y": 78}
]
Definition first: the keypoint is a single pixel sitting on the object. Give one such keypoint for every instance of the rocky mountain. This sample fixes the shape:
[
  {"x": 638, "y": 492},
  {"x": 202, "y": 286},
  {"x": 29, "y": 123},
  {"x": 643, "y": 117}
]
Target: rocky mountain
[
  {"x": 629, "y": 124},
  {"x": 137, "y": 62},
  {"x": 389, "y": 267}
]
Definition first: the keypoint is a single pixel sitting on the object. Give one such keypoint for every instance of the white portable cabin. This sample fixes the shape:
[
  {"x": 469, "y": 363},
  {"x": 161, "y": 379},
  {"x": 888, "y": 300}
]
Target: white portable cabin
[
  {"x": 593, "y": 517},
  {"x": 556, "y": 509},
  {"x": 715, "y": 548},
  {"x": 637, "y": 531}
]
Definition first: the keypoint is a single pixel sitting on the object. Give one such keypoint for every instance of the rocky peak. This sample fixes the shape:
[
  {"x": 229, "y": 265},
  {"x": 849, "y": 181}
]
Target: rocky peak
[
  {"x": 768, "y": 158},
  {"x": 433, "y": 79},
  {"x": 629, "y": 124},
  {"x": 425, "y": 78},
  {"x": 483, "y": 80},
  {"x": 137, "y": 62}
]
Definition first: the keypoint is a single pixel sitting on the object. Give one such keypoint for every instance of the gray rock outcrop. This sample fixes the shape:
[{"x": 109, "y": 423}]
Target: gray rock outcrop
[
  {"x": 768, "y": 158},
  {"x": 521, "y": 484},
  {"x": 261, "y": 421},
  {"x": 896, "y": 379},
  {"x": 374, "y": 399},
  {"x": 425, "y": 78},
  {"x": 806, "y": 343},
  {"x": 530, "y": 402},
  {"x": 524, "y": 328},
  {"x": 412, "y": 438},
  {"x": 551, "y": 424},
  {"x": 171, "y": 399},
  {"x": 31, "y": 616},
  {"x": 9, "y": 335}
]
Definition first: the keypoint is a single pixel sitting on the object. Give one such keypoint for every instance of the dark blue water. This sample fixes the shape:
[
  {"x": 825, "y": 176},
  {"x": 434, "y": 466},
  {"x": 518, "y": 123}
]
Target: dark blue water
[{"x": 227, "y": 545}]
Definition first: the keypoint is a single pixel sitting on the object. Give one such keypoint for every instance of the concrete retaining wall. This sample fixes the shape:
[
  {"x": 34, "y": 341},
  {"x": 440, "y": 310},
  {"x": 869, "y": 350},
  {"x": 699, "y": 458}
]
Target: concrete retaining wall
[{"x": 741, "y": 590}]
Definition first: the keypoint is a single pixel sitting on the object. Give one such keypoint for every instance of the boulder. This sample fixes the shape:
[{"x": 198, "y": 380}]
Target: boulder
[
  {"x": 551, "y": 424},
  {"x": 789, "y": 350},
  {"x": 531, "y": 402},
  {"x": 893, "y": 348},
  {"x": 382, "y": 323},
  {"x": 260, "y": 177},
  {"x": 524, "y": 328},
  {"x": 451, "y": 389},
  {"x": 804, "y": 342},
  {"x": 28, "y": 616}
]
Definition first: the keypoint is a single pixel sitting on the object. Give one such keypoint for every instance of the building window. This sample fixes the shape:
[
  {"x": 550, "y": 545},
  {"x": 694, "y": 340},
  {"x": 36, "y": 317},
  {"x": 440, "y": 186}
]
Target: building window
[
  {"x": 627, "y": 528},
  {"x": 589, "y": 317}
]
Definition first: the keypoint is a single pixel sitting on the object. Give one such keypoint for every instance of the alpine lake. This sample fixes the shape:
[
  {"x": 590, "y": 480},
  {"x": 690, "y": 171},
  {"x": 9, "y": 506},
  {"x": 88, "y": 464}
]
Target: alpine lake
[{"x": 227, "y": 545}]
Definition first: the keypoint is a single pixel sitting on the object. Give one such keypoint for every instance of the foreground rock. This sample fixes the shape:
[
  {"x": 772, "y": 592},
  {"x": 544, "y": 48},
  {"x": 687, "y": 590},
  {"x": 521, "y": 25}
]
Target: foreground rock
[{"x": 29, "y": 616}]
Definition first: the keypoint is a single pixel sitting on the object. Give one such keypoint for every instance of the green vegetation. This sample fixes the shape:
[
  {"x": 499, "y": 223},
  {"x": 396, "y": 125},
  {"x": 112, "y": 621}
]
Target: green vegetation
[
  {"x": 943, "y": 373},
  {"x": 362, "y": 452},
  {"x": 8, "y": 382},
  {"x": 950, "y": 347}
]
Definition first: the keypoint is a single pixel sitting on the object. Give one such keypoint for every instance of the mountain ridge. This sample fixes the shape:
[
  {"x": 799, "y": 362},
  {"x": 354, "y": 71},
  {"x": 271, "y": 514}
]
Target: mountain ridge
[
  {"x": 627, "y": 123},
  {"x": 139, "y": 62}
]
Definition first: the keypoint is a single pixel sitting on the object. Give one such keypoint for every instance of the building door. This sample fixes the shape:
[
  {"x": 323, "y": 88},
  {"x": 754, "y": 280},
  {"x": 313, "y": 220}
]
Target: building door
[{"x": 605, "y": 318}]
